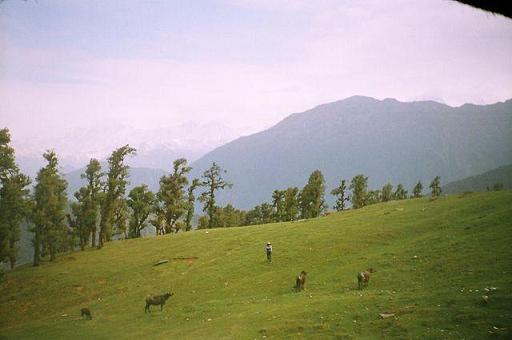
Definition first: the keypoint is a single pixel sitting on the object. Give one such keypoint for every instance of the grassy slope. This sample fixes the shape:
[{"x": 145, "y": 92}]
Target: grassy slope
[{"x": 463, "y": 244}]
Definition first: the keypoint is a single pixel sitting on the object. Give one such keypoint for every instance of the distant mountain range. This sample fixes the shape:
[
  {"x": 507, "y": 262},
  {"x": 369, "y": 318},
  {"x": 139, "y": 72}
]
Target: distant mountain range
[
  {"x": 156, "y": 147},
  {"x": 501, "y": 175},
  {"x": 138, "y": 176},
  {"x": 387, "y": 140}
]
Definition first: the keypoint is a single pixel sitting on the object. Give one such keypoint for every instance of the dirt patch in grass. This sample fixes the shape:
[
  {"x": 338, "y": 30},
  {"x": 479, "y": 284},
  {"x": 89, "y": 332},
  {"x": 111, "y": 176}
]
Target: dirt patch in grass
[
  {"x": 188, "y": 260},
  {"x": 78, "y": 287}
]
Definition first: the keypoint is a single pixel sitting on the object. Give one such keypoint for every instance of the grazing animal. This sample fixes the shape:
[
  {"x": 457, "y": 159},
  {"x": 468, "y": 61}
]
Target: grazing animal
[
  {"x": 300, "y": 280},
  {"x": 157, "y": 300},
  {"x": 364, "y": 277},
  {"x": 485, "y": 299},
  {"x": 86, "y": 312}
]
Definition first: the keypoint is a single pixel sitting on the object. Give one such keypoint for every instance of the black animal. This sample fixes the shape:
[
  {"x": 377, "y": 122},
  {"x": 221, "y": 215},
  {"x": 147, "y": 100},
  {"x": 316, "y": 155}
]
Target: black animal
[
  {"x": 157, "y": 300},
  {"x": 86, "y": 312},
  {"x": 300, "y": 280}
]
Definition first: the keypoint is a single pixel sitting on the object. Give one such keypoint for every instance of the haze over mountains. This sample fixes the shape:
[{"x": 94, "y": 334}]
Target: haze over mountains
[
  {"x": 387, "y": 140},
  {"x": 156, "y": 147},
  {"x": 482, "y": 182}
]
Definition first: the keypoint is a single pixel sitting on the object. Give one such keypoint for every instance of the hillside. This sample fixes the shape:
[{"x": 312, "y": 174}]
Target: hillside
[
  {"x": 433, "y": 261},
  {"x": 387, "y": 140},
  {"x": 138, "y": 176},
  {"x": 483, "y": 181}
]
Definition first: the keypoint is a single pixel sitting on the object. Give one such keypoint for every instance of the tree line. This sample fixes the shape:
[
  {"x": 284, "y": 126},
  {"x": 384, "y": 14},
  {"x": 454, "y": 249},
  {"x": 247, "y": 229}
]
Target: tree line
[
  {"x": 103, "y": 211},
  {"x": 103, "y": 202},
  {"x": 293, "y": 204}
]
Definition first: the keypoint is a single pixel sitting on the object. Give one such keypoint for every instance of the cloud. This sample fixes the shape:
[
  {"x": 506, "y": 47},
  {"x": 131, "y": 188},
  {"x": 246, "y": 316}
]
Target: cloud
[{"x": 248, "y": 63}]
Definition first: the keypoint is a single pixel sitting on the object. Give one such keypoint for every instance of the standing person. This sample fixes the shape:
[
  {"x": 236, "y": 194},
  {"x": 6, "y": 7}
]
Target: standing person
[{"x": 268, "y": 248}]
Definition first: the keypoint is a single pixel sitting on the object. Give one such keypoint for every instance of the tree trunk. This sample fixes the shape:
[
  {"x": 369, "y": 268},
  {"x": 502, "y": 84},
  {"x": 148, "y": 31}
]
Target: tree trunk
[
  {"x": 37, "y": 245},
  {"x": 106, "y": 214},
  {"x": 93, "y": 237},
  {"x": 12, "y": 261},
  {"x": 12, "y": 252},
  {"x": 52, "y": 252},
  {"x": 103, "y": 227},
  {"x": 100, "y": 239},
  {"x": 107, "y": 237},
  {"x": 138, "y": 230}
]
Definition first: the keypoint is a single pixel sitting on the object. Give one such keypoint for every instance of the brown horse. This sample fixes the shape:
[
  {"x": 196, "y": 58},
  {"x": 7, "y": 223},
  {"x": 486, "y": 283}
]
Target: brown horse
[
  {"x": 364, "y": 277},
  {"x": 300, "y": 280}
]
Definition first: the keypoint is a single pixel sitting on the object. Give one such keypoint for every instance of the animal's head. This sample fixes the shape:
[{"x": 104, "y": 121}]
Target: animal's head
[
  {"x": 371, "y": 270},
  {"x": 168, "y": 295},
  {"x": 303, "y": 273}
]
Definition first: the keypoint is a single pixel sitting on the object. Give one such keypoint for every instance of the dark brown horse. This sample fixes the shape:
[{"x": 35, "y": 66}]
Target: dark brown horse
[
  {"x": 156, "y": 300},
  {"x": 300, "y": 281},
  {"x": 364, "y": 277}
]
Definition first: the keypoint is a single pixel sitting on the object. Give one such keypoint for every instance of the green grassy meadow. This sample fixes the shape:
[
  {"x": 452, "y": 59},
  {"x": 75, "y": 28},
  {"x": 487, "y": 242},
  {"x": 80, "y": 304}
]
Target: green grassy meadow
[{"x": 433, "y": 261}]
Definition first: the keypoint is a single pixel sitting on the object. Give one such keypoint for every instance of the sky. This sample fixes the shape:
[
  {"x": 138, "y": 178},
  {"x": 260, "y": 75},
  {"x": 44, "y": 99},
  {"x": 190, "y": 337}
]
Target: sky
[{"x": 72, "y": 72}]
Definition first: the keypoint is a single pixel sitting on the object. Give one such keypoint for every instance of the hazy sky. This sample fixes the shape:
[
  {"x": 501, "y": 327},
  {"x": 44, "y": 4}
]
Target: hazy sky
[{"x": 243, "y": 63}]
